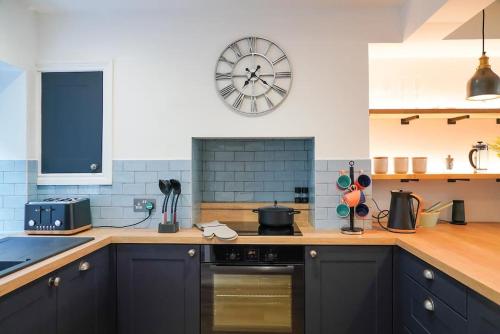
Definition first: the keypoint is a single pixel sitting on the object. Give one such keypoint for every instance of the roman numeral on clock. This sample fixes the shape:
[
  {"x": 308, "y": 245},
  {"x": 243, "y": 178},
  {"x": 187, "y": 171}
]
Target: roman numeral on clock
[
  {"x": 252, "y": 44},
  {"x": 239, "y": 100},
  {"x": 226, "y": 91},
  {"x": 270, "y": 103},
  {"x": 279, "y": 90},
  {"x": 223, "y": 76},
  {"x": 236, "y": 50},
  {"x": 224, "y": 59},
  {"x": 254, "y": 104},
  {"x": 279, "y": 59},
  {"x": 283, "y": 75}
]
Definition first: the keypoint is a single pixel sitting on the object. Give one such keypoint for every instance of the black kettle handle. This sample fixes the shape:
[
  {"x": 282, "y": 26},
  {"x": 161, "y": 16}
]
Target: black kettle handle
[
  {"x": 416, "y": 211},
  {"x": 471, "y": 154}
]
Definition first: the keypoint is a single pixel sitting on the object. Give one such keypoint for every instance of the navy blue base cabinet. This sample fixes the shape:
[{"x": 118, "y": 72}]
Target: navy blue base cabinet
[
  {"x": 348, "y": 289},
  {"x": 158, "y": 289},
  {"x": 484, "y": 315},
  {"x": 29, "y": 310},
  {"x": 78, "y": 298}
]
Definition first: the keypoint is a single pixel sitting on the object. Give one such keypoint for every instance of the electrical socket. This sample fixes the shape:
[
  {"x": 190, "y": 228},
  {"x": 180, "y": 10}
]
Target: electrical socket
[{"x": 141, "y": 204}]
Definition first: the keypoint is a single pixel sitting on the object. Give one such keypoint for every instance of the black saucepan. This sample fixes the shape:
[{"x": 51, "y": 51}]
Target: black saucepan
[{"x": 276, "y": 216}]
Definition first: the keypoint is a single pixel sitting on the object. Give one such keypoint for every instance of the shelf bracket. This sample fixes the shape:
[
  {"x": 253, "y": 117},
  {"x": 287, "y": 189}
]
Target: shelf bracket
[
  {"x": 498, "y": 120},
  {"x": 455, "y": 180},
  {"x": 454, "y": 120},
  {"x": 407, "y": 120}
]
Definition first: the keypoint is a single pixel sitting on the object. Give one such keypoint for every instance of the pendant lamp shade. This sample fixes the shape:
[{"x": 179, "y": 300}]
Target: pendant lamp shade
[{"x": 484, "y": 84}]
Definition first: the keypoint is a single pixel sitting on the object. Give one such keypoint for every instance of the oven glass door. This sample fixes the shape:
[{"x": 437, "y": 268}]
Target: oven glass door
[{"x": 252, "y": 299}]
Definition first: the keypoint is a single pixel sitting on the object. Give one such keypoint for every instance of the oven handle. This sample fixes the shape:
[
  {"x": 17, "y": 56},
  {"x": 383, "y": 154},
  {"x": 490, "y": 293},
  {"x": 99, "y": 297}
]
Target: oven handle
[{"x": 278, "y": 269}]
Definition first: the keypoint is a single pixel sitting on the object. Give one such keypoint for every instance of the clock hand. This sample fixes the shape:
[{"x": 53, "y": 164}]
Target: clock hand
[
  {"x": 263, "y": 81},
  {"x": 246, "y": 83}
]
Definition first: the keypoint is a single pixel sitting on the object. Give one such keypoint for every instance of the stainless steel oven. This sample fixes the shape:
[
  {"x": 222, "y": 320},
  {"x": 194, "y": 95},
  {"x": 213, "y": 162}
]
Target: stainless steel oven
[{"x": 252, "y": 289}]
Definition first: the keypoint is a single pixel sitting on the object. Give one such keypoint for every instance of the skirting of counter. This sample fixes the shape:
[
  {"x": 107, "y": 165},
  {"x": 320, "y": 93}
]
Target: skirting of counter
[{"x": 467, "y": 253}]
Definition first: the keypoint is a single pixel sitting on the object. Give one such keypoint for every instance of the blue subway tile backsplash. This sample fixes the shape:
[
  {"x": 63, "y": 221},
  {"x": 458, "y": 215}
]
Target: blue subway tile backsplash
[
  {"x": 265, "y": 178},
  {"x": 246, "y": 170}
]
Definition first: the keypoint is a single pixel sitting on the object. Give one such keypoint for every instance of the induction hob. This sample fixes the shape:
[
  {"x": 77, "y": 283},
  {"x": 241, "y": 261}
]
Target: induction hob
[{"x": 255, "y": 229}]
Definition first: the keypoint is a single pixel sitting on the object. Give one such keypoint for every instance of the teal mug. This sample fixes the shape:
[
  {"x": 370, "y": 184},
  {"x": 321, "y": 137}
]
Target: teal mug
[
  {"x": 344, "y": 181},
  {"x": 343, "y": 210}
]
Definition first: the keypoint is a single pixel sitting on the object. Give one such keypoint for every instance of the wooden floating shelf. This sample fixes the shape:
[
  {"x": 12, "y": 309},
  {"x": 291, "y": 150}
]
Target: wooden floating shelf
[
  {"x": 407, "y": 115},
  {"x": 432, "y": 111},
  {"x": 456, "y": 177}
]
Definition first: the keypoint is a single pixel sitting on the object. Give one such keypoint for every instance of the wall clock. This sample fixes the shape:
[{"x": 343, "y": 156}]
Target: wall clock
[{"x": 253, "y": 75}]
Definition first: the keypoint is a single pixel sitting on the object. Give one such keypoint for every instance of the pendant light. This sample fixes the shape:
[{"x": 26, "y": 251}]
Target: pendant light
[{"x": 484, "y": 84}]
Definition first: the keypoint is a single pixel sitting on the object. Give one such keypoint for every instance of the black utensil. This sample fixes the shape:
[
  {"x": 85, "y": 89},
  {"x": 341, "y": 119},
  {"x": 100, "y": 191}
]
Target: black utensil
[
  {"x": 166, "y": 189},
  {"x": 176, "y": 188}
]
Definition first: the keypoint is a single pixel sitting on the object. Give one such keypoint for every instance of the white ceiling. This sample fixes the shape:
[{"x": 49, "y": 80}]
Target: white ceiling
[
  {"x": 472, "y": 28},
  {"x": 89, "y": 6}
]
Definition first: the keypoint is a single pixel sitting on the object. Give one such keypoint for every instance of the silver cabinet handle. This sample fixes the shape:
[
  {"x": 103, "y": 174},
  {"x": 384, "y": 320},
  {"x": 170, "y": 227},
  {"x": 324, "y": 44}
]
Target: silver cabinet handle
[
  {"x": 429, "y": 305},
  {"x": 84, "y": 266},
  {"x": 93, "y": 167},
  {"x": 191, "y": 252},
  {"x": 313, "y": 253},
  {"x": 54, "y": 282},
  {"x": 428, "y": 274}
]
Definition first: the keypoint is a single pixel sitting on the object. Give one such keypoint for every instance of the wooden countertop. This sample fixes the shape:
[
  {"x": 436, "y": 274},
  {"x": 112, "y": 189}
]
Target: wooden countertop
[{"x": 470, "y": 254}]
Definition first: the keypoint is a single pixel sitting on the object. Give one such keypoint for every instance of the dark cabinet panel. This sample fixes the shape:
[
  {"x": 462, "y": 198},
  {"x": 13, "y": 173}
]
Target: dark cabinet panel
[
  {"x": 348, "y": 289},
  {"x": 29, "y": 310},
  {"x": 449, "y": 290},
  {"x": 86, "y": 295},
  {"x": 158, "y": 289},
  {"x": 422, "y": 312},
  {"x": 484, "y": 315},
  {"x": 72, "y": 122}
]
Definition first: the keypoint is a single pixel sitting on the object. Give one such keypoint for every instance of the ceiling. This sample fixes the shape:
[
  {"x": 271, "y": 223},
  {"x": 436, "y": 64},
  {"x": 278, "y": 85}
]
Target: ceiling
[
  {"x": 89, "y": 6},
  {"x": 472, "y": 28}
]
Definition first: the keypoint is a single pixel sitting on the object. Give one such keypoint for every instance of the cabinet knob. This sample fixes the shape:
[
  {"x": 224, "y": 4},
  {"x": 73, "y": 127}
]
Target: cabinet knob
[
  {"x": 54, "y": 282},
  {"x": 428, "y": 274},
  {"x": 93, "y": 167},
  {"x": 191, "y": 252},
  {"x": 313, "y": 253},
  {"x": 84, "y": 266},
  {"x": 429, "y": 305},
  {"x": 57, "y": 223},
  {"x": 31, "y": 222}
]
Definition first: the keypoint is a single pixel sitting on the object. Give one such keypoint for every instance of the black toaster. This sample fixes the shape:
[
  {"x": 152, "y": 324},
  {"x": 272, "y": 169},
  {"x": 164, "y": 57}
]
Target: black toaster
[{"x": 57, "y": 216}]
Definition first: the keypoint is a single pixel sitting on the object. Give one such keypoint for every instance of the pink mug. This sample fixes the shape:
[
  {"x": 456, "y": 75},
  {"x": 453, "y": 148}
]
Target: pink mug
[{"x": 354, "y": 198}]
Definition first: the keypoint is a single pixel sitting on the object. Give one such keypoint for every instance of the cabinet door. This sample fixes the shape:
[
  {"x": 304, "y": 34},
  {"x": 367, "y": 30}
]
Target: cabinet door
[
  {"x": 86, "y": 295},
  {"x": 158, "y": 289},
  {"x": 29, "y": 310},
  {"x": 348, "y": 289},
  {"x": 484, "y": 315},
  {"x": 72, "y": 122}
]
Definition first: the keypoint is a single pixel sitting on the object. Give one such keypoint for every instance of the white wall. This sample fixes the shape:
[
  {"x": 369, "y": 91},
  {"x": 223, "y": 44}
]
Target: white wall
[
  {"x": 164, "y": 90},
  {"x": 18, "y": 48},
  {"x": 13, "y": 116}
]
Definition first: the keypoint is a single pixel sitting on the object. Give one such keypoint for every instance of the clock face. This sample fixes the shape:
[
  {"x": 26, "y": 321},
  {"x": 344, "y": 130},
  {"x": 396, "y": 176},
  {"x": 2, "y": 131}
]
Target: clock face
[{"x": 253, "y": 75}]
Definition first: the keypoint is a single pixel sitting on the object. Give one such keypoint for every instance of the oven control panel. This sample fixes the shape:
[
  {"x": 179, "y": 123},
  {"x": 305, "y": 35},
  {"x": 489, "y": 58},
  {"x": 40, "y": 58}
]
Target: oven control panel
[{"x": 252, "y": 254}]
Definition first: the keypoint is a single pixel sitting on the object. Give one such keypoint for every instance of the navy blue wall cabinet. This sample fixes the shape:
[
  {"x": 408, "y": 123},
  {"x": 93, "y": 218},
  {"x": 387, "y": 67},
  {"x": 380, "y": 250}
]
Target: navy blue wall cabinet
[
  {"x": 484, "y": 315},
  {"x": 76, "y": 301},
  {"x": 72, "y": 122},
  {"x": 158, "y": 289},
  {"x": 348, "y": 289}
]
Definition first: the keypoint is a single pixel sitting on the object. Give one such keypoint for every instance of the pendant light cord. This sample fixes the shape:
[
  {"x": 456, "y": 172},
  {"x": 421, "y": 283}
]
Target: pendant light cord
[{"x": 483, "y": 33}]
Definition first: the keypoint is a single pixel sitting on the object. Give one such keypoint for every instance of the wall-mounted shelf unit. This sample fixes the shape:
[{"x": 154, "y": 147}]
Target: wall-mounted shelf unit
[{"x": 450, "y": 177}]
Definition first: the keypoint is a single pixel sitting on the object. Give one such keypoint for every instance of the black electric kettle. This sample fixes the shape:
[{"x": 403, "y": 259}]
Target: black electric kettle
[{"x": 402, "y": 216}]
